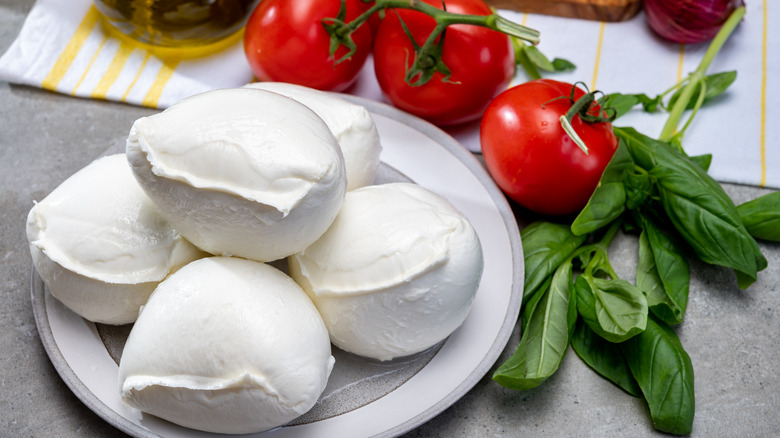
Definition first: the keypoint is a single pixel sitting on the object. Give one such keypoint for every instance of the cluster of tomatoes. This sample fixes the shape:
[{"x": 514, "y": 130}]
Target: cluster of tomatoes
[{"x": 526, "y": 150}]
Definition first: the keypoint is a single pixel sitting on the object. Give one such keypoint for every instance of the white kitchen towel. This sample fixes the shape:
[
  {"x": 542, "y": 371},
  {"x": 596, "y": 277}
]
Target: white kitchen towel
[{"x": 63, "y": 47}]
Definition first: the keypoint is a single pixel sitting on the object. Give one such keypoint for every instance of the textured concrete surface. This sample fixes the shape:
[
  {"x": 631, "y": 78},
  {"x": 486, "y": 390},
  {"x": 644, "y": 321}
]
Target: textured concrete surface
[{"x": 731, "y": 335}]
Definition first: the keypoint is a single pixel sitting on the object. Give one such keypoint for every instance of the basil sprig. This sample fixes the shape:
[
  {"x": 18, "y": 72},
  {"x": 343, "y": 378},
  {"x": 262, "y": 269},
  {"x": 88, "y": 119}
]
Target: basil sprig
[
  {"x": 697, "y": 206},
  {"x": 653, "y": 189}
]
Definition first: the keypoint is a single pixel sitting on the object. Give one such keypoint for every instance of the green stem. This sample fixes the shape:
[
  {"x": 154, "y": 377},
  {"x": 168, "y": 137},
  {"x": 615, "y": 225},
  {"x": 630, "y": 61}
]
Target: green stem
[{"x": 697, "y": 77}]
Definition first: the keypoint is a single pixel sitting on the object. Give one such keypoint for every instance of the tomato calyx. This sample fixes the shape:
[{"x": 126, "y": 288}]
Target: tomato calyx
[
  {"x": 583, "y": 107},
  {"x": 340, "y": 34},
  {"x": 428, "y": 56}
]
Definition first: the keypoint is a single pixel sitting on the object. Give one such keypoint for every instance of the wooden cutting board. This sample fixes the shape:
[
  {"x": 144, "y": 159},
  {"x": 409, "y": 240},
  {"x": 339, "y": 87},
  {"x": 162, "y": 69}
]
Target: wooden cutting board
[{"x": 599, "y": 10}]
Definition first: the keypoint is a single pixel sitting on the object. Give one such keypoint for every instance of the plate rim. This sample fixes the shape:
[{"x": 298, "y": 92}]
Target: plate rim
[{"x": 511, "y": 315}]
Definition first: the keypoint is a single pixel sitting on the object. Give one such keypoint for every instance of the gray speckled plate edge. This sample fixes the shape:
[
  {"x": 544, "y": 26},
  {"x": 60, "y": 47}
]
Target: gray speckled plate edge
[{"x": 510, "y": 317}]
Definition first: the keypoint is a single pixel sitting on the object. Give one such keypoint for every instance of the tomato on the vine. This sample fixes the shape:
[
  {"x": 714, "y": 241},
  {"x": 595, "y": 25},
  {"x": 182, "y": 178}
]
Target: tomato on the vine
[
  {"x": 481, "y": 62},
  {"x": 530, "y": 156},
  {"x": 285, "y": 41}
]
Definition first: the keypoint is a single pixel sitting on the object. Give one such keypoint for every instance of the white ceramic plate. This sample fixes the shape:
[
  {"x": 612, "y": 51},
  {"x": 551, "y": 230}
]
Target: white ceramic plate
[{"x": 364, "y": 398}]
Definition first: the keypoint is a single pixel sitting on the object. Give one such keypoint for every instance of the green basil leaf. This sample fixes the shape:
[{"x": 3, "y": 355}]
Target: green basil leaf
[
  {"x": 702, "y": 161},
  {"x": 545, "y": 246},
  {"x": 664, "y": 371},
  {"x": 698, "y": 207},
  {"x": 563, "y": 65},
  {"x": 623, "y": 103},
  {"x": 761, "y": 216},
  {"x": 662, "y": 273},
  {"x": 608, "y": 201},
  {"x": 604, "y": 357},
  {"x": 522, "y": 59},
  {"x": 638, "y": 186},
  {"x": 615, "y": 309},
  {"x": 620, "y": 103},
  {"x": 716, "y": 84},
  {"x": 545, "y": 339},
  {"x": 538, "y": 58},
  {"x": 530, "y": 307}
]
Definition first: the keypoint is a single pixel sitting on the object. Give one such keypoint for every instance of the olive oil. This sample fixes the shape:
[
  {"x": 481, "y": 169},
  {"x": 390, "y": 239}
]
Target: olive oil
[{"x": 177, "y": 24}]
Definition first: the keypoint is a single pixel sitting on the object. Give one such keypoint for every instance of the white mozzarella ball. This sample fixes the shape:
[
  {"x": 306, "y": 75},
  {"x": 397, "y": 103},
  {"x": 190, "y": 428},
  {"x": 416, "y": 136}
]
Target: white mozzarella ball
[
  {"x": 226, "y": 345},
  {"x": 350, "y": 123},
  {"x": 240, "y": 172},
  {"x": 395, "y": 274},
  {"x": 100, "y": 245}
]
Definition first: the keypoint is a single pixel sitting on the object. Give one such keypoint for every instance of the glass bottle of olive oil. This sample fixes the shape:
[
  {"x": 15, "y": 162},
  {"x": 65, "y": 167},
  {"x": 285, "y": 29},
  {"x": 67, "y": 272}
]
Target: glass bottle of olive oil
[{"x": 177, "y": 24}]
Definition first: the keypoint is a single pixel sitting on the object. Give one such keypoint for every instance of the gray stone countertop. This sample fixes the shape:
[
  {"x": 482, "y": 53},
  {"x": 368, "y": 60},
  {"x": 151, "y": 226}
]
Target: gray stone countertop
[{"x": 732, "y": 336}]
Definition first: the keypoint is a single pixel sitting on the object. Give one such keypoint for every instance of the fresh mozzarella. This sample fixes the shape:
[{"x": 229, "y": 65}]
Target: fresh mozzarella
[
  {"x": 240, "y": 172},
  {"x": 226, "y": 345},
  {"x": 395, "y": 274},
  {"x": 100, "y": 245},
  {"x": 350, "y": 123}
]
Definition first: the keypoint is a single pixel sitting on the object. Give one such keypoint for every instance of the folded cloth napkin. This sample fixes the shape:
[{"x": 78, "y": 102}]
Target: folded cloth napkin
[{"x": 64, "y": 48}]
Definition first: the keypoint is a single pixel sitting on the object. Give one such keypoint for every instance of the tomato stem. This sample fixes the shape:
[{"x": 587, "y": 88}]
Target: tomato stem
[
  {"x": 566, "y": 125},
  {"x": 340, "y": 32},
  {"x": 582, "y": 107}
]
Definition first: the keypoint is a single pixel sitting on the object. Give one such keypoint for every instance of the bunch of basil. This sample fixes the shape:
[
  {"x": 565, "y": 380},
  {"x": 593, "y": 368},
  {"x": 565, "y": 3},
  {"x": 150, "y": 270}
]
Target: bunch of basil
[{"x": 624, "y": 331}]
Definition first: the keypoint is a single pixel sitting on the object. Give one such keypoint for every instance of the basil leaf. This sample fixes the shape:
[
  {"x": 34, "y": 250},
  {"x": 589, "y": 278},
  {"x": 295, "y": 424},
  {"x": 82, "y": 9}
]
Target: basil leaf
[
  {"x": 638, "y": 187},
  {"x": 545, "y": 246},
  {"x": 615, "y": 309},
  {"x": 698, "y": 207},
  {"x": 761, "y": 216},
  {"x": 715, "y": 85},
  {"x": 538, "y": 58},
  {"x": 662, "y": 273},
  {"x": 664, "y": 371},
  {"x": 608, "y": 201},
  {"x": 702, "y": 161},
  {"x": 546, "y": 337},
  {"x": 623, "y": 103},
  {"x": 563, "y": 65},
  {"x": 530, "y": 307},
  {"x": 523, "y": 60},
  {"x": 604, "y": 357}
]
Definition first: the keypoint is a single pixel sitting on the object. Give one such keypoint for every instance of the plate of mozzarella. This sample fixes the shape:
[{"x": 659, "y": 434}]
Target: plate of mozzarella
[{"x": 272, "y": 260}]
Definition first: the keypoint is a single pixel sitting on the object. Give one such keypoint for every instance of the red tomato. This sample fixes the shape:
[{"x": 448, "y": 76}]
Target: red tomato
[
  {"x": 285, "y": 41},
  {"x": 530, "y": 156},
  {"x": 480, "y": 60}
]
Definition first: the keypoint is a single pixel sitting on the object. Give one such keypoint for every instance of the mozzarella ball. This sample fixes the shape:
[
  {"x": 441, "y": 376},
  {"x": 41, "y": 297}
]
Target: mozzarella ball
[
  {"x": 100, "y": 245},
  {"x": 350, "y": 123},
  {"x": 395, "y": 274},
  {"x": 240, "y": 172},
  {"x": 226, "y": 345}
]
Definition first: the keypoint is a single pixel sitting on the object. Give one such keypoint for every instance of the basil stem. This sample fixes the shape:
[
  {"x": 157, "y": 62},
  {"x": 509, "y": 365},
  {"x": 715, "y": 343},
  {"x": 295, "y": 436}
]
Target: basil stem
[
  {"x": 695, "y": 79},
  {"x": 664, "y": 371}
]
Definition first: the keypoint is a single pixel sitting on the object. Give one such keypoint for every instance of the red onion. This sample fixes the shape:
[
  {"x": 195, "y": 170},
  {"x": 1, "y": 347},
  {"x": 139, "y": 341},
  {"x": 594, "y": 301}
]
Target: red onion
[{"x": 688, "y": 21}]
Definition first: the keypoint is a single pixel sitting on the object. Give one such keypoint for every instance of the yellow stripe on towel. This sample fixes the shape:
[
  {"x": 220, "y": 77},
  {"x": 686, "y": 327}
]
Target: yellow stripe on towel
[
  {"x": 137, "y": 76},
  {"x": 113, "y": 71},
  {"x": 762, "y": 181},
  {"x": 72, "y": 49},
  {"x": 152, "y": 97},
  {"x": 598, "y": 57},
  {"x": 89, "y": 66}
]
